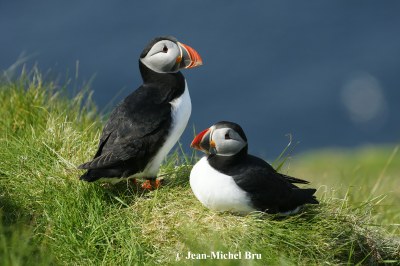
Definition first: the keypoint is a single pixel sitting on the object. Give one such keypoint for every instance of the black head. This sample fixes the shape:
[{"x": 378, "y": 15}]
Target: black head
[
  {"x": 223, "y": 138},
  {"x": 156, "y": 40},
  {"x": 167, "y": 55}
]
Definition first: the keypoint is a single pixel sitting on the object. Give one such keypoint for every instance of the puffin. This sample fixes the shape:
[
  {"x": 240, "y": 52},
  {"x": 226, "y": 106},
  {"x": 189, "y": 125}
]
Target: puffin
[
  {"x": 229, "y": 179},
  {"x": 145, "y": 126}
]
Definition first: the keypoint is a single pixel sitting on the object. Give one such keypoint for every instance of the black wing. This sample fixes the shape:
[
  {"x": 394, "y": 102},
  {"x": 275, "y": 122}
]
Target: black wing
[
  {"x": 269, "y": 190},
  {"x": 133, "y": 132},
  {"x": 255, "y": 161}
]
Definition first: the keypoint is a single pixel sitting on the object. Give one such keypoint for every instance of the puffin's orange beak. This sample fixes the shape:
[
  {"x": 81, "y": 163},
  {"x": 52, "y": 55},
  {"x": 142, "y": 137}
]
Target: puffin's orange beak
[
  {"x": 189, "y": 58},
  {"x": 202, "y": 141}
]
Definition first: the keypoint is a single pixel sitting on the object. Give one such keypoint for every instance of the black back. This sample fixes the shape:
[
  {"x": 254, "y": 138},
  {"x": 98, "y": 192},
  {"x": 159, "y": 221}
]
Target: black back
[
  {"x": 137, "y": 127},
  {"x": 268, "y": 190}
]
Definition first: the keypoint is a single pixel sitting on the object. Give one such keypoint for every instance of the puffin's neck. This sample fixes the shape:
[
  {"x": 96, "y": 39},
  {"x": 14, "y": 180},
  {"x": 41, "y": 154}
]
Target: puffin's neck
[
  {"x": 226, "y": 163},
  {"x": 165, "y": 80}
]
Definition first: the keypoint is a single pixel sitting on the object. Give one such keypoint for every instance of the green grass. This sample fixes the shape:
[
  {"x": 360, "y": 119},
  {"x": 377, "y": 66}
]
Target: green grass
[
  {"x": 49, "y": 217},
  {"x": 361, "y": 174}
]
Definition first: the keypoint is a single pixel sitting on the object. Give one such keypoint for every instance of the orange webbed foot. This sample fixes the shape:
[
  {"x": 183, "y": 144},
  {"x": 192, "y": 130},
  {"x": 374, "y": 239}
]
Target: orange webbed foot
[{"x": 151, "y": 184}]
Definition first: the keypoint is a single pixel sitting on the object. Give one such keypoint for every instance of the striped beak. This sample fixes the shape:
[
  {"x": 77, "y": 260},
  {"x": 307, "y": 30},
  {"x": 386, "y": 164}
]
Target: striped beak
[
  {"x": 203, "y": 143},
  {"x": 189, "y": 57}
]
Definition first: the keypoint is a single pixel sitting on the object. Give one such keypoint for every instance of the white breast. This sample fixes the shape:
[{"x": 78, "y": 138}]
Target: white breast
[
  {"x": 218, "y": 191},
  {"x": 181, "y": 109}
]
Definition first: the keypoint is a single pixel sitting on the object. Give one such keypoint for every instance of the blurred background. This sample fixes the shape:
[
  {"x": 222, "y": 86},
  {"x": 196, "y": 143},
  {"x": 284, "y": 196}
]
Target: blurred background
[{"x": 326, "y": 72}]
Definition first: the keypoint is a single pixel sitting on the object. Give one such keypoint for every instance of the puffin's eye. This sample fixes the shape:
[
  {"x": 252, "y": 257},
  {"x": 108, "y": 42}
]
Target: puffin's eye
[
  {"x": 165, "y": 49},
  {"x": 227, "y": 136}
]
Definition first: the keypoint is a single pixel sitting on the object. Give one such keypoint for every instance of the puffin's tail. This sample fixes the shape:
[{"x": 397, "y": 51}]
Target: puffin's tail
[
  {"x": 89, "y": 177},
  {"x": 294, "y": 180},
  {"x": 299, "y": 197},
  {"x": 92, "y": 175},
  {"x": 305, "y": 196}
]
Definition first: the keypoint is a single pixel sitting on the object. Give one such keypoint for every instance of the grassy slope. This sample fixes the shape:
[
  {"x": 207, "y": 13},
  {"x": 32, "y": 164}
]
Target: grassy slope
[
  {"x": 49, "y": 217},
  {"x": 363, "y": 174}
]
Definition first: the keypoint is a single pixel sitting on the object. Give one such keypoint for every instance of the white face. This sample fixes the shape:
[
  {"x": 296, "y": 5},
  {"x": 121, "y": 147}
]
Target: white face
[
  {"x": 162, "y": 57},
  {"x": 227, "y": 141}
]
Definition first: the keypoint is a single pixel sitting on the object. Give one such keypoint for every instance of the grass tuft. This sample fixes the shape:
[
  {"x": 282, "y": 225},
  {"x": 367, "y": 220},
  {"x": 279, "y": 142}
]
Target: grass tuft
[{"x": 47, "y": 216}]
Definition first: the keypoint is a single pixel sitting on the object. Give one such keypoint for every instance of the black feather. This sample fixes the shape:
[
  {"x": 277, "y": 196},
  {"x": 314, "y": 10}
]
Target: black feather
[
  {"x": 137, "y": 127},
  {"x": 268, "y": 190}
]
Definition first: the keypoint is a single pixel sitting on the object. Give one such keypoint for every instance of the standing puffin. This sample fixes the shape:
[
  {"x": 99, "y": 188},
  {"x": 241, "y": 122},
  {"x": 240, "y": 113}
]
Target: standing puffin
[
  {"x": 230, "y": 179},
  {"x": 145, "y": 126}
]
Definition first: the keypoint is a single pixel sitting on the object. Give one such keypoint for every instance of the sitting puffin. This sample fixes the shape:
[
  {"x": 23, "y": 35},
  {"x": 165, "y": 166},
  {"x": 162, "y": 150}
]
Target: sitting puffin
[
  {"x": 230, "y": 179},
  {"x": 145, "y": 126}
]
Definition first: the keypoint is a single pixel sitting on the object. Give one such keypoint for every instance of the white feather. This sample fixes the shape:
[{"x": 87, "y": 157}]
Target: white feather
[
  {"x": 181, "y": 109},
  {"x": 218, "y": 191},
  {"x": 291, "y": 212}
]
